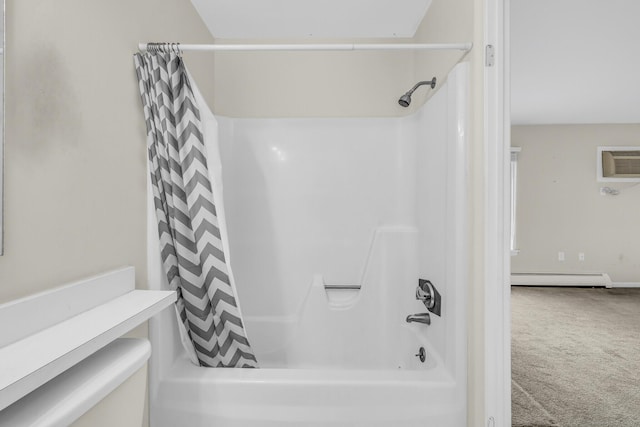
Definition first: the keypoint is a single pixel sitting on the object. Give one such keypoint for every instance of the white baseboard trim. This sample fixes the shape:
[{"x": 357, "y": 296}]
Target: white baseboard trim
[
  {"x": 625, "y": 284},
  {"x": 552, "y": 279}
]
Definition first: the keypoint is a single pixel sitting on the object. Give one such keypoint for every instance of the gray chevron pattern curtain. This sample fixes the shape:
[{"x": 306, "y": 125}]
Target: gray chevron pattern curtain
[{"x": 190, "y": 241}]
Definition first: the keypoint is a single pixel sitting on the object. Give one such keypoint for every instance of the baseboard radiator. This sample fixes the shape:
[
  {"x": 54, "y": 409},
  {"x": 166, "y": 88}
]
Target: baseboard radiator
[{"x": 560, "y": 279}]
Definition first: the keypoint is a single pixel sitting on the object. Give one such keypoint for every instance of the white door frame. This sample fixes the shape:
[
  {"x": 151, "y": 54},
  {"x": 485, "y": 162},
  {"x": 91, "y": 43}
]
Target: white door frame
[{"x": 497, "y": 296}]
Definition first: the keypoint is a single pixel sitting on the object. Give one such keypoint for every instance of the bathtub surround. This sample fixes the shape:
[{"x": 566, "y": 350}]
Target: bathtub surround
[
  {"x": 276, "y": 84},
  {"x": 190, "y": 217},
  {"x": 331, "y": 224}
]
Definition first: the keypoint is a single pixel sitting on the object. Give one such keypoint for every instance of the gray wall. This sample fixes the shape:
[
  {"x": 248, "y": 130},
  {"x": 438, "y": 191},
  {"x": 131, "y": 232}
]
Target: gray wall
[{"x": 560, "y": 207}]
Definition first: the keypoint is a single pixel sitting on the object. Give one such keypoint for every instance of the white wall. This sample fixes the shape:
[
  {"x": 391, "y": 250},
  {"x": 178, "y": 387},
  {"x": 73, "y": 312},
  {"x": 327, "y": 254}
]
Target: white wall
[{"x": 560, "y": 207}]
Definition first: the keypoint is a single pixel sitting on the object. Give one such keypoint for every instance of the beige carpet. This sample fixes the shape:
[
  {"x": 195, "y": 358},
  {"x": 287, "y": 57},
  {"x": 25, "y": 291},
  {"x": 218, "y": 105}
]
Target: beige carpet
[
  {"x": 576, "y": 357},
  {"x": 527, "y": 412}
]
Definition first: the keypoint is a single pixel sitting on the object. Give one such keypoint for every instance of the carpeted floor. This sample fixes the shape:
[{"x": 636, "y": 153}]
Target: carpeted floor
[{"x": 575, "y": 357}]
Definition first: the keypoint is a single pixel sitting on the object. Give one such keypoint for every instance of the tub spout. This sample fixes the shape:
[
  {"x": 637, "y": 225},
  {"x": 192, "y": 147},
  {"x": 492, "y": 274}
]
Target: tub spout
[{"x": 420, "y": 318}]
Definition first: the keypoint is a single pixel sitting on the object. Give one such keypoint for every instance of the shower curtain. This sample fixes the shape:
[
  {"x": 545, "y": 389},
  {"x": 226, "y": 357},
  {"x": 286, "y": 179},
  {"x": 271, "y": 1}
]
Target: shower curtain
[{"x": 187, "y": 197}]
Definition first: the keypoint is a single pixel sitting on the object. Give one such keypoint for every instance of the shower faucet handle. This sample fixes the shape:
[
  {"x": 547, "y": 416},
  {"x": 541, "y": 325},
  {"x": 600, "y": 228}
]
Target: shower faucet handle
[
  {"x": 423, "y": 292},
  {"x": 429, "y": 295}
]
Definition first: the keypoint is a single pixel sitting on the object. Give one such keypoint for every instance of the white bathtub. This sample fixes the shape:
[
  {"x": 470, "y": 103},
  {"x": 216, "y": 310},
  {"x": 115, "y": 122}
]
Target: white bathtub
[
  {"x": 376, "y": 203},
  {"x": 195, "y": 396}
]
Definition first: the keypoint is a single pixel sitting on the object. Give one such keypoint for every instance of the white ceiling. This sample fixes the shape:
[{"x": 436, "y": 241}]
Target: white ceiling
[
  {"x": 575, "y": 61},
  {"x": 255, "y": 19}
]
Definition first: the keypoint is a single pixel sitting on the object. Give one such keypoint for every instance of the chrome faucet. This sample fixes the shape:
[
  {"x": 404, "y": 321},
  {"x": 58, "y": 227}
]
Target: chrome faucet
[
  {"x": 429, "y": 295},
  {"x": 425, "y": 293},
  {"x": 420, "y": 318}
]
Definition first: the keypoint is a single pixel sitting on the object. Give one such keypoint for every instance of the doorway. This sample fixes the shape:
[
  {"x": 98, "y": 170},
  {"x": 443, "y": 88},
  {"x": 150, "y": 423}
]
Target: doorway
[{"x": 574, "y": 340}]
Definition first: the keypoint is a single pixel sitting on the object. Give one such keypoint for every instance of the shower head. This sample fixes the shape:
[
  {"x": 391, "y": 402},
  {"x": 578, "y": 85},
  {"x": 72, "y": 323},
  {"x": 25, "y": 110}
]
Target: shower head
[{"x": 405, "y": 99}]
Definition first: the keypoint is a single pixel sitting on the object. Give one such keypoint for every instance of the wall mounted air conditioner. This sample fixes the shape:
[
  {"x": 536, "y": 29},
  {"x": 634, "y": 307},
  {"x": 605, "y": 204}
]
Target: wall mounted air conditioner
[{"x": 618, "y": 164}]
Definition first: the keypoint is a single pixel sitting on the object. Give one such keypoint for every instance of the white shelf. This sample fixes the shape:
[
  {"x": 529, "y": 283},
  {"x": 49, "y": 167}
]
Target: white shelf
[
  {"x": 39, "y": 356},
  {"x": 65, "y": 398}
]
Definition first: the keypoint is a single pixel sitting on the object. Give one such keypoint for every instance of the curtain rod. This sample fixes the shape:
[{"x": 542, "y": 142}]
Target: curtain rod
[{"x": 313, "y": 47}]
